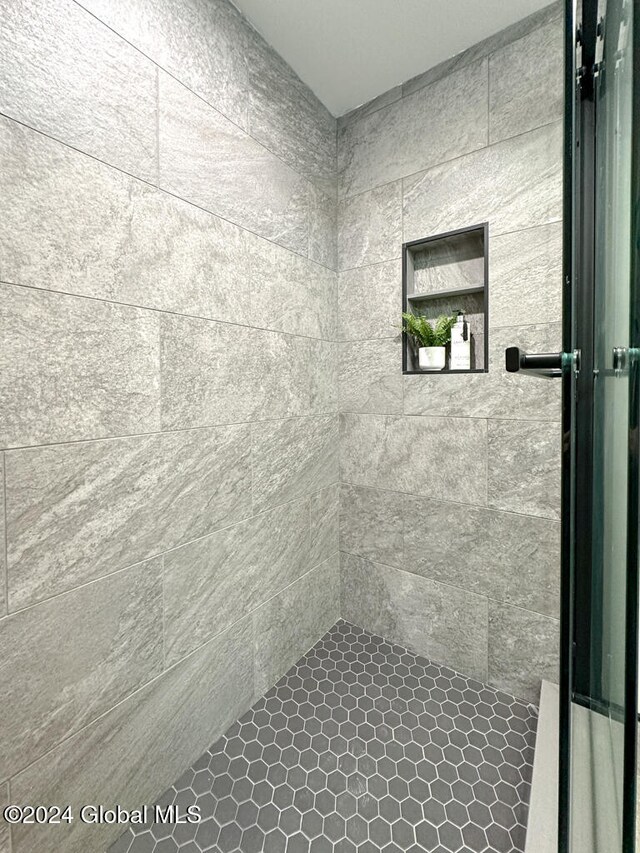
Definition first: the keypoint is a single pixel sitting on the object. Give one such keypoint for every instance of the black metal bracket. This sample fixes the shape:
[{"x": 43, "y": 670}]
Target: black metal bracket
[{"x": 547, "y": 364}]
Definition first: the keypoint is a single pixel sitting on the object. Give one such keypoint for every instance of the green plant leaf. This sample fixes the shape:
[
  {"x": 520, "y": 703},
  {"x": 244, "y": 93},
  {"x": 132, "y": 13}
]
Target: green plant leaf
[{"x": 419, "y": 327}]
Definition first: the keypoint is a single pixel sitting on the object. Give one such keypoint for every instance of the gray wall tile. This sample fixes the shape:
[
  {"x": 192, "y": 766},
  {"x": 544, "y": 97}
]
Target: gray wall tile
[
  {"x": 67, "y": 75},
  {"x": 523, "y": 649},
  {"x": 324, "y": 510},
  {"x": 211, "y": 162},
  {"x": 517, "y": 79},
  {"x": 366, "y": 109},
  {"x": 370, "y": 301},
  {"x": 79, "y": 511},
  {"x": 71, "y": 223},
  {"x": 496, "y": 394},
  {"x": 201, "y": 42},
  {"x": 293, "y": 458},
  {"x": 3, "y": 544},
  {"x": 513, "y": 185},
  {"x": 287, "y": 626},
  {"x": 288, "y": 119},
  {"x": 370, "y": 376},
  {"x": 68, "y": 660},
  {"x": 526, "y": 276},
  {"x": 507, "y": 557},
  {"x": 290, "y": 293},
  {"x": 323, "y": 377},
  {"x": 524, "y": 467},
  {"x": 434, "y": 620},
  {"x": 323, "y": 226},
  {"x": 75, "y": 368},
  {"x": 211, "y": 583},
  {"x": 371, "y": 524},
  {"x": 134, "y": 753},
  {"x": 407, "y": 453},
  {"x": 438, "y": 123},
  {"x": 370, "y": 227},
  {"x": 5, "y": 840}
]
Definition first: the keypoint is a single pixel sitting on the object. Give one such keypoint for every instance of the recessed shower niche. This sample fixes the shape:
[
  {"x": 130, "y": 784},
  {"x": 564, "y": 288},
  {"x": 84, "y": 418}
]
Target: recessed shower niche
[{"x": 446, "y": 274}]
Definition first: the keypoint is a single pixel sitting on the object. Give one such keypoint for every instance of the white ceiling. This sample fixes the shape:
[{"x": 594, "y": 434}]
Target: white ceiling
[{"x": 349, "y": 51}]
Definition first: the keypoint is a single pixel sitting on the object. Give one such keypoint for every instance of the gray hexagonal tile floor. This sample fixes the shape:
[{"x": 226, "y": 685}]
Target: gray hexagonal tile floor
[{"x": 361, "y": 747}]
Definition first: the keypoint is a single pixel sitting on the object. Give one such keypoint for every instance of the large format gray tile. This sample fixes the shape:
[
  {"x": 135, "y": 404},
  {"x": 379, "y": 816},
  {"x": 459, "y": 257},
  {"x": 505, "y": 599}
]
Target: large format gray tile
[
  {"x": 517, "y": 78},
  {"x": 67, "y": 75},
  {"x": 496, "y": 394},
  {"x": 211, "y": 583},
  {"x": 5, "y": 840},
  {"x": 371, "y": 524},
  {"x": 201, "y": 42},
  {"x": 79, "y": 511},
  {"x": 290, "y": 293},
  {"x": 524, "y": 467},
  {"x": 288, "y": 119},
  {"x": 370, "y": 301},
  {"x": 3, "y": 544},
  {"x": 293, "y": 458},
  {"x": 406, "y": 454},
  {"x": 323, "y": 377},
  {"x": 523, "y": 650},
  {"x": 526, "y": 277},
  {"x": 208, "y": 160},
  {"x": 75, "y": 368},
  {"x": 370, "y": 376},
  {"x": 441, "y": 622},
  {"x": 216, "y": 373},
  {"x": 324, "y": 510},
  {"x": 370, "y": 227},
  {"x": 505, "y": 556},
  {"x": 71, "y": 223},
  {"x": 323, "y": 228},
  {"x": 437, "y": 123},
  {"x": 133, "y": 753},
  {"x": 68, "y": 660},
  {"x": 287, "y": 626},
  {"x": 512, "y": 185}
]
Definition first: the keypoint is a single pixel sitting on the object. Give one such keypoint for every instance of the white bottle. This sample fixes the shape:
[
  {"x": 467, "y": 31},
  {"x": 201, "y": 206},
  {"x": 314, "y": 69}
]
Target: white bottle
[{"x": 460, "y": 345}]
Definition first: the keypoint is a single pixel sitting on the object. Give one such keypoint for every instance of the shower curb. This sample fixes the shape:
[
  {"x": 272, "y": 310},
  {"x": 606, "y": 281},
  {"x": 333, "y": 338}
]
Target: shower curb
[{"x": 542, "y": 826}]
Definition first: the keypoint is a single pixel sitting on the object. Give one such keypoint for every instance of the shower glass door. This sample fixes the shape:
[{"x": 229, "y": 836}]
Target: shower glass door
[{"x": 600, "y": 453}]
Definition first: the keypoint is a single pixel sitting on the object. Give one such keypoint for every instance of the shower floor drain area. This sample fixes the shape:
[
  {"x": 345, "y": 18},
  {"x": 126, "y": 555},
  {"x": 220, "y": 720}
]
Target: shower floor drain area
[{"x": 362, "y": 746}]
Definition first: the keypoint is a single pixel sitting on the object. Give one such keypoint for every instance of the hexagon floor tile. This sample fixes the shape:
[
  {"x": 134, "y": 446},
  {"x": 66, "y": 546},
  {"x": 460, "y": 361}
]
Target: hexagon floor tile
[{"x": 361, "y": 747}]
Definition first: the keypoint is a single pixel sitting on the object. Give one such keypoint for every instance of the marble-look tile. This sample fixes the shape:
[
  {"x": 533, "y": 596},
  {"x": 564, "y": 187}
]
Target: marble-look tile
[
  {"x": 287, "y": 626},
  {"x": 202, "y": 43},
  {"x": 323, "y": 377},
  {"x": 370, "y": 376},
  {"x": 211, "y": 583},
  {"x": 417, "y": 455},
  {"x": 517, "y": 78},
  {"x": 507, "y": 557},
  {"x": 76, "y": 512},
  {"x": 512, "y": 185},
  {"x": 521, "y": 28},
  {"x": 323, "y": 228},
  {"x": 216, "y": 373},
  {"x": 208, "y": 160},
  {"x": 370, "y": 301},
  {"x": 293, "y": 458},
  {"x": 3, "y": 544},
  {"x": 443, "y": 623},
  {"x": 68, "y": 660},
  {"x": 5, "y": 840},
  {"x": 67, "y": 75},
  {"x": 437, "y": 123},
  {"x": 371, "y": 524},
  {"x": 324, "y": 510},
  {"x": 290, "y": 293},
  {"x": 496, "y": 394},
  {"x": 524, "y": 648},
  {"x": 288, "y": 119},
  {"x": 370, "y": 227},
  {"x": 73, "y": 224},
  {"x": 75, "y": 368},
  {"x": 526, "y": 277},
  {"x": 137, "y": 750},
  {"x": 524, "y": 467}
]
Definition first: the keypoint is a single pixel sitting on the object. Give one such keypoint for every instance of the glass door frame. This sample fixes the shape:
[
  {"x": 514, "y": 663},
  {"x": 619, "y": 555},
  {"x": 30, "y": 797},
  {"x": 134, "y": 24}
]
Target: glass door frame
[{"x": 579, "y": 597}]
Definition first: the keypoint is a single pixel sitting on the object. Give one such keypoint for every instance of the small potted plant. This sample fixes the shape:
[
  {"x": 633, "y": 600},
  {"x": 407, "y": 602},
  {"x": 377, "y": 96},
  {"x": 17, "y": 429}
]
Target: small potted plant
[{"x": 431, "y": 340}]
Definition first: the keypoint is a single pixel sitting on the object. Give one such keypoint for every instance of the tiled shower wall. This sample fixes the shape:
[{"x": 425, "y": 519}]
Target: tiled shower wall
[
  {"x": 449, "y": 531},
  {"x": 169, "y": 418}
]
